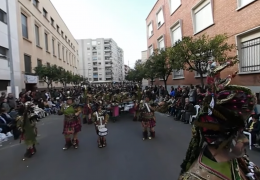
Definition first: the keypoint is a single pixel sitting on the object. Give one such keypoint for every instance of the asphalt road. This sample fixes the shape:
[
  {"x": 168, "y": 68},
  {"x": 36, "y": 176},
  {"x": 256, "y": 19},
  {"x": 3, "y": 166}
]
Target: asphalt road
[{"x": 127, "y": 156}]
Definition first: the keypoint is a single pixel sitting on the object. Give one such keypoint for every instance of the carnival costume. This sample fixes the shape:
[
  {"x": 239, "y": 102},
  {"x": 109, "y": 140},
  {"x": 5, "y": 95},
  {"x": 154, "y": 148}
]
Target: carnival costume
[
  {"x": 26, "y": 124},
  {"x": 100, "y": 119},
  {"x": 147, "y": 117},
  {"x": 137, "y": 100},
  {"x": 72, "y": 124},
  {"x": 218, "y": 133}
]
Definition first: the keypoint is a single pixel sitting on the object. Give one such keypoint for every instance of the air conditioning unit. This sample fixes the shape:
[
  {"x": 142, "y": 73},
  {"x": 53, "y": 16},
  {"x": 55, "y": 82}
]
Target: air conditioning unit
[
  {"x": 159, "y": 23},
  {"x": 151, "y": 32}
]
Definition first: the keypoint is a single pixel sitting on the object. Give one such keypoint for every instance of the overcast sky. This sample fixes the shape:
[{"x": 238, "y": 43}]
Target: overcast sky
[{"x": 122, "y": 20}]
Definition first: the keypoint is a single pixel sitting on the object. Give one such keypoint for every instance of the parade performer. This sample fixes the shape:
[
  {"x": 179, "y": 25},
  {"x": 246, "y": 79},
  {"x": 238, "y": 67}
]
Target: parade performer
[
  {"x": 72, "y": 124},
  {"x": 26, "y": 124},
  {"x": 100, "y": 119},
  {"x": 87, "y": 111},
  {"x": 147, "y": 116},
  {"x": 217, "y": 148},
  {"x": 137, "y": 102}
]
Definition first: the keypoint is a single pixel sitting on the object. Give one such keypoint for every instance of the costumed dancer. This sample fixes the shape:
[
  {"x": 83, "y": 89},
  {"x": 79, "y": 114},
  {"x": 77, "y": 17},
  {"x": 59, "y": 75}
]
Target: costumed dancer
[
  {"x": 72, "y": 124},
  {"x": 100, "y": 119},
  {"x": 217, "y": 149},
  {"x": 147, "y": 117},
  {"x": 26, "y": 124}
]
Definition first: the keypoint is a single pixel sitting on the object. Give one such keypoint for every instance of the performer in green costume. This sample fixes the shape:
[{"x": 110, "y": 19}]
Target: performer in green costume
[
  {"x": 217, "y": 149},
  {"x": 26, "y": 123},
  {"x": 72, "y": 124}
]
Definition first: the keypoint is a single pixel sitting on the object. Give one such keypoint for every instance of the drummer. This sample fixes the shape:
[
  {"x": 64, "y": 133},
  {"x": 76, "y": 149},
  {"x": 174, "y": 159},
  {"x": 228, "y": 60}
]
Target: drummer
[{"x": 101, "y": 139}]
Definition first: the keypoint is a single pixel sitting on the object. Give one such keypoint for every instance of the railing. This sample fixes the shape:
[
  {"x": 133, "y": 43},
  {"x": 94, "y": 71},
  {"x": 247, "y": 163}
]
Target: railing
[{"x": 250, "y": 55}]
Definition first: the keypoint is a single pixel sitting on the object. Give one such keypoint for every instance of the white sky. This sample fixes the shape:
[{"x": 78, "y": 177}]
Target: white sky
[{"x": 121, "y": 20}]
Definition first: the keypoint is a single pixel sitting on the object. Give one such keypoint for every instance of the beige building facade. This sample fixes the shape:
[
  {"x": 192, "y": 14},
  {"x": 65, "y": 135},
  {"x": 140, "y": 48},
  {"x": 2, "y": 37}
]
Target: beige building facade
[{"x": 44, "y": 38}]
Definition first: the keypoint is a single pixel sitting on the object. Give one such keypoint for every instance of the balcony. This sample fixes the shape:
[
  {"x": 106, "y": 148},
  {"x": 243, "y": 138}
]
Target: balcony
[{"x": 108, "y": 54}]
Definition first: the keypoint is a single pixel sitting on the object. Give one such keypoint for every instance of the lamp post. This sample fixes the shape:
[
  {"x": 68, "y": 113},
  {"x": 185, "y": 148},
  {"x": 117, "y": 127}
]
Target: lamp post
[{"x": 10, "y": 55}]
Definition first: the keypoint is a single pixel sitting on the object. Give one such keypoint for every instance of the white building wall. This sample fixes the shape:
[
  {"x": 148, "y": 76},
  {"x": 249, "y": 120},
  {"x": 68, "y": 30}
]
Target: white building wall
[
  {"x": 5, "y": 65},
  {"x": 96, "y": 64},
  {"x": 145, "y": 82}
]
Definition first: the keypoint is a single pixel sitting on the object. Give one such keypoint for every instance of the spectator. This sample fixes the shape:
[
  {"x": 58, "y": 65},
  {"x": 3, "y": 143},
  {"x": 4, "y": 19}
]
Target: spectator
[
  {"x": 11, "y": 101},
  {"x": 5, "y": 105},
  {"x": 253, "y": 128}
]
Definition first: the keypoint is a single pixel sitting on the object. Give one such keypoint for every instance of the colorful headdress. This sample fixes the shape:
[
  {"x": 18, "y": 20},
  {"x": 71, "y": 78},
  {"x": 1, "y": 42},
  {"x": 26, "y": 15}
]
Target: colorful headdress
[{"x": 225, "y": 111}]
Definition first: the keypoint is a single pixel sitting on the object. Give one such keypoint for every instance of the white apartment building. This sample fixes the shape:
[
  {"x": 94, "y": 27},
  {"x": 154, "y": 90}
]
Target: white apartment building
[
  {"x": 144, "y": 57},
  {"x": 6, "y": 48},
  {"x": 101, "y": 60}
]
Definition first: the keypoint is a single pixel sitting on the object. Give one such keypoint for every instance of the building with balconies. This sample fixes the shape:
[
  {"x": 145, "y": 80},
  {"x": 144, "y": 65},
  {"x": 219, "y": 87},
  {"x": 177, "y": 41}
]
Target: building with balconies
[
  {"x": 6, "y": 48},
  {"x": 101, "y": 60}
]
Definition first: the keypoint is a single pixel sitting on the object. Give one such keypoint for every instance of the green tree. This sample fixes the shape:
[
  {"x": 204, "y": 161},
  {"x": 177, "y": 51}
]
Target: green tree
[
  {"x": 149, "y": 70},
  {"x": 48, "y": 74},
  {"x": 65, "y": 77},
  {"x": 196, "y": 54},
  {"x": 163, "y": 67},
  {"x": 76, "y": 79}
]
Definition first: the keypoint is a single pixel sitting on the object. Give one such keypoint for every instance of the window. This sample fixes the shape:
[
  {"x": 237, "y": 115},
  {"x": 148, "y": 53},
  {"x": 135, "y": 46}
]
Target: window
[
  {"x": 176, "y": 33},
  {"x": 27, "y": 64},
  {"x": 242, "y": 3},
  {"x": 48, "y": 65},
  {"x": 3, "y": 16},
  {"x": 65, "y": 38},
  {"x": 62, "y": 34},
  {"x": 98, "y": 43},
  {"x": 3, "y": 52},
  {"x": 46, "y": 41},
  {"x": 59, "y": 50},
  {"x": 37, "y": 36},
  {"x": 39, "y": 62},
  {"x": 174, "y": 5},
  {"x": 53, "y": 46},
  {"x": 150, "y": 29},
  {"x": 45, "y": 13},
  {"x": 36, "y": 3},
  {"x": 24, "y": 26},
  {"x": 151, "y": 50},
  {"x": 94, "y": 43},
  {"x": 52, "y": 22},
  {"x": 178, "y": 74},
  {"x": 202, "y": 16},
  {"x": 249, "y": 51},
  {"x": 63, "y": 54},
  {"x": 58, "y": 28},
  {"x": 160, "y": 18},
  {"x": 161, "y": 43}
]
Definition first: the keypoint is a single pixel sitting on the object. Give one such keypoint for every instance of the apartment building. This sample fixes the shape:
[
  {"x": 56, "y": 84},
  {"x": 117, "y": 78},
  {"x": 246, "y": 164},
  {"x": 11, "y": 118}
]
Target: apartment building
[
  {"x": 9, "y": 50},
  {"x": 127, "y": 69},
  {"x": 171, "y": 20},
  {"x": 44, "y": 38},
  {"x": 144, "y": 57},
  {"x": 101, "y": 60}
]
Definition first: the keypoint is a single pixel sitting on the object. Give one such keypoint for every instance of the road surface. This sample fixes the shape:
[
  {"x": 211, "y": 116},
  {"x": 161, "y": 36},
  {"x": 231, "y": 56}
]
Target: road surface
[{"x": 127, "y": 156}]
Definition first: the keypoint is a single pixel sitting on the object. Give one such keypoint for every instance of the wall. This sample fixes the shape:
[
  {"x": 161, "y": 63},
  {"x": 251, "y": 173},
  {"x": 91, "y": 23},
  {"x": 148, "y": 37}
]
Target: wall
[
  {"x": 227, "y": 19},
  {"x": 5, "y": 68},
  {"x": 28, "y": 45}
]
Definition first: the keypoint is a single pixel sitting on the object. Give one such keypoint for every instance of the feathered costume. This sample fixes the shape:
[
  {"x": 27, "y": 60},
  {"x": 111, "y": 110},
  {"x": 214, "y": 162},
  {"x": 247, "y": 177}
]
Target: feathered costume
[
  {"x": 26, "y": 124},
  {"x": 71, "y": 123},
  {"x": 220, "y": 126}
]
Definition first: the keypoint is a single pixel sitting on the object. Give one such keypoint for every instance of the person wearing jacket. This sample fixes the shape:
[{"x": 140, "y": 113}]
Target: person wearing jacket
[{"x": 253, "y": 128}]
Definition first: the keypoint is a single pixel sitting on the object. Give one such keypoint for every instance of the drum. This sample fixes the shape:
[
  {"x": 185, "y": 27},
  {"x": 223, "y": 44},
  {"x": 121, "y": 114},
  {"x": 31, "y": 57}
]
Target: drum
[{"x": 102, "y": 131}]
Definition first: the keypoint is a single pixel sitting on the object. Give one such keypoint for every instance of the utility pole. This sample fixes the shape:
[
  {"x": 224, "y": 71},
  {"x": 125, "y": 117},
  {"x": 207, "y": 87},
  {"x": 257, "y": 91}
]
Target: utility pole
[{"x": 10, "y": 55}]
